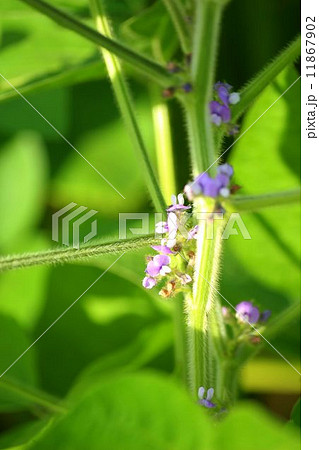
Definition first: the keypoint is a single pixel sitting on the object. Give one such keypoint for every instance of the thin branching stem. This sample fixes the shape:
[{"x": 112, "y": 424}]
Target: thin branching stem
[
  {"x": 124, "y": 99},
  {"x": 266, "y": 76},
  {"x": 60, "y": 256},
  {"x": 35, "y": 396}
]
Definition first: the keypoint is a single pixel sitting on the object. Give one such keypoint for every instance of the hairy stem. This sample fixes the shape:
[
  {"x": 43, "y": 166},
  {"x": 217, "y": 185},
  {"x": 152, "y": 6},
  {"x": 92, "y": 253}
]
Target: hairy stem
[
  {"x": 127, "y": 109},
  {"x": 146, "y": 66},
  {"x": 37, "y": 397},
  {"x": 178, "y": 16},
  {"x": 61, "y": 256},
  {"x": 265, "y": 76},
  {"x": 205, "y": 327},
  {"x": 206, "y": 36}
]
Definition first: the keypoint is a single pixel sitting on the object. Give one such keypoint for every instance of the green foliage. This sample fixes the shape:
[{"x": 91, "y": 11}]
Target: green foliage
[{"x": 106, "y": 415}]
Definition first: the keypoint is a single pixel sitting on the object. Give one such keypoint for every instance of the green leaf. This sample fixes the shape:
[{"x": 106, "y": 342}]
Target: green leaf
[
  {"x": 248, "y": 426},
  {"x": 150, "y": 344},
  {"x": 46, "y": 48},
  {"x": 13, "y": 342},
  {"x": 296, "y": 414},
  {"x": 21, "y": 186},
  {"x": 82, "y": 336},
  {"x": 152, "y": 32},
  {"x": 21, "y": 435},
  {"x": 129, "y": 412}
]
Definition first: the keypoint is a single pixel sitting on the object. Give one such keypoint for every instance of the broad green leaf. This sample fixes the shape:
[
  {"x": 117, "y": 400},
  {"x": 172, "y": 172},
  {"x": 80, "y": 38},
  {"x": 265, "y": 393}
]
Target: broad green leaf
[
  {"x": 140, "y": 411},
  {"x": 23, "y": 170},
  {"x": 249, "y": 427},
  {"x": 80, "y": 337},
  {"x": 13, "y": 343},
  {"x": 21, "y": 435},
  {"x": 149, "y": 344},
  {"x": 23, "y": 292},
  {"x": 109, "y": 150}
]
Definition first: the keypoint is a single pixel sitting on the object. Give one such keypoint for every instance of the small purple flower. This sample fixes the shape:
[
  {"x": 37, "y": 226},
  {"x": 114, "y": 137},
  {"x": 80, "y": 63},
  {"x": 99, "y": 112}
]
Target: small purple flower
[
  {"x": 224, "y": 94},
  {"x": 162, "y": 249},
  {"x": 187, "y": 87},
  {"x": 219, "y": 113},
  {"x": 247, "y": 312},
  {"x": 161, "y": 227},
  {"x": 170, "y": 227},
  {"x": 177, "y": 204},
  {"x": 212, "y": 187},
  {"x": 265, "y": 315},
  {"x": 225, "y": 169},
  {"x": 149, "y": 282},
  {"x": 222, "y": 90},
  {"x": 184, "y": 278},
  {"x": 192, "y": 234},
  {"x": 158, "y": 266},
  {"x": 206, "y": 401}
]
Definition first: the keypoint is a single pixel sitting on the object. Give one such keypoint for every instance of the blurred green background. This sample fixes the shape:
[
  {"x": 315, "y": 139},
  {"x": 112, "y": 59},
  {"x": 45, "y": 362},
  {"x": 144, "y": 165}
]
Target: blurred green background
[{"x": 118, "y": 327}]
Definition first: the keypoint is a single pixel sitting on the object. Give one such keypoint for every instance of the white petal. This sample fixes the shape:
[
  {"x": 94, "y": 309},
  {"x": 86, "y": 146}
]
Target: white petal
[
  {"x": 180, "y": 199},
  {"x": 210, "y": 393},
  {"x": 234, "y": 98},
  {"x": 201, "y": 392},
  {"x": 164, "y": 270},
  {"x": 173, "y": 197}
]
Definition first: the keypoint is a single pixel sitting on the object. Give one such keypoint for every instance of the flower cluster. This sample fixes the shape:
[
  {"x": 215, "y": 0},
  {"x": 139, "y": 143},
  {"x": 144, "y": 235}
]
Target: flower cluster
[
  {"x": 219, "y": 186},
  {"x": 220, "y": 109},
  {"x": 175, "y": 258},
  {"x": 173, "y": 266},
  {"x": 246, "y": 313},
  {"x": 246, "y": 321}
]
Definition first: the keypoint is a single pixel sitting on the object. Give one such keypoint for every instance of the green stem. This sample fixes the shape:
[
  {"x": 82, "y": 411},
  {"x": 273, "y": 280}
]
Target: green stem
[
  {"x": 178, "y": 16},
  {"x": 35, "y": 396},
  {"x": 180, "y": 338},
  {"x": 205, "y": 328},
  {"x": 206, "y": 36},
  {"x": 61, "y": 256},
  {"x": 256, "y": 202},
  {"x": 146, "y": 66},
  {"x": 127, "y": 109},
  {"x": 265, "y": 76},
  {"x": 164, "y": 149}
]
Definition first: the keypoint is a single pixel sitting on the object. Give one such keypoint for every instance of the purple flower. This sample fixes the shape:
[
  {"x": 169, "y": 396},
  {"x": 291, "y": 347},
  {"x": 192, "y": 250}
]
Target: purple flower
[
  {"x": 149, "y": 282},
  {"x": 192, "y": 234},
  {"x": 265, "y": 315},
  {"x": 219, "y": 113},
  {"x": 212, "y": 187},
  {"x": 206, "y": 401},
  {"x": 247, "y": 312},
  {"x": 225, "y": 169},
  {"x": 158, "y": 266},
  {"x": 224, "y": 94},
  {"x": 162, "y": 249},
  {"x": 170, "y": 227},
  {"x": 177, "y": 204}
]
